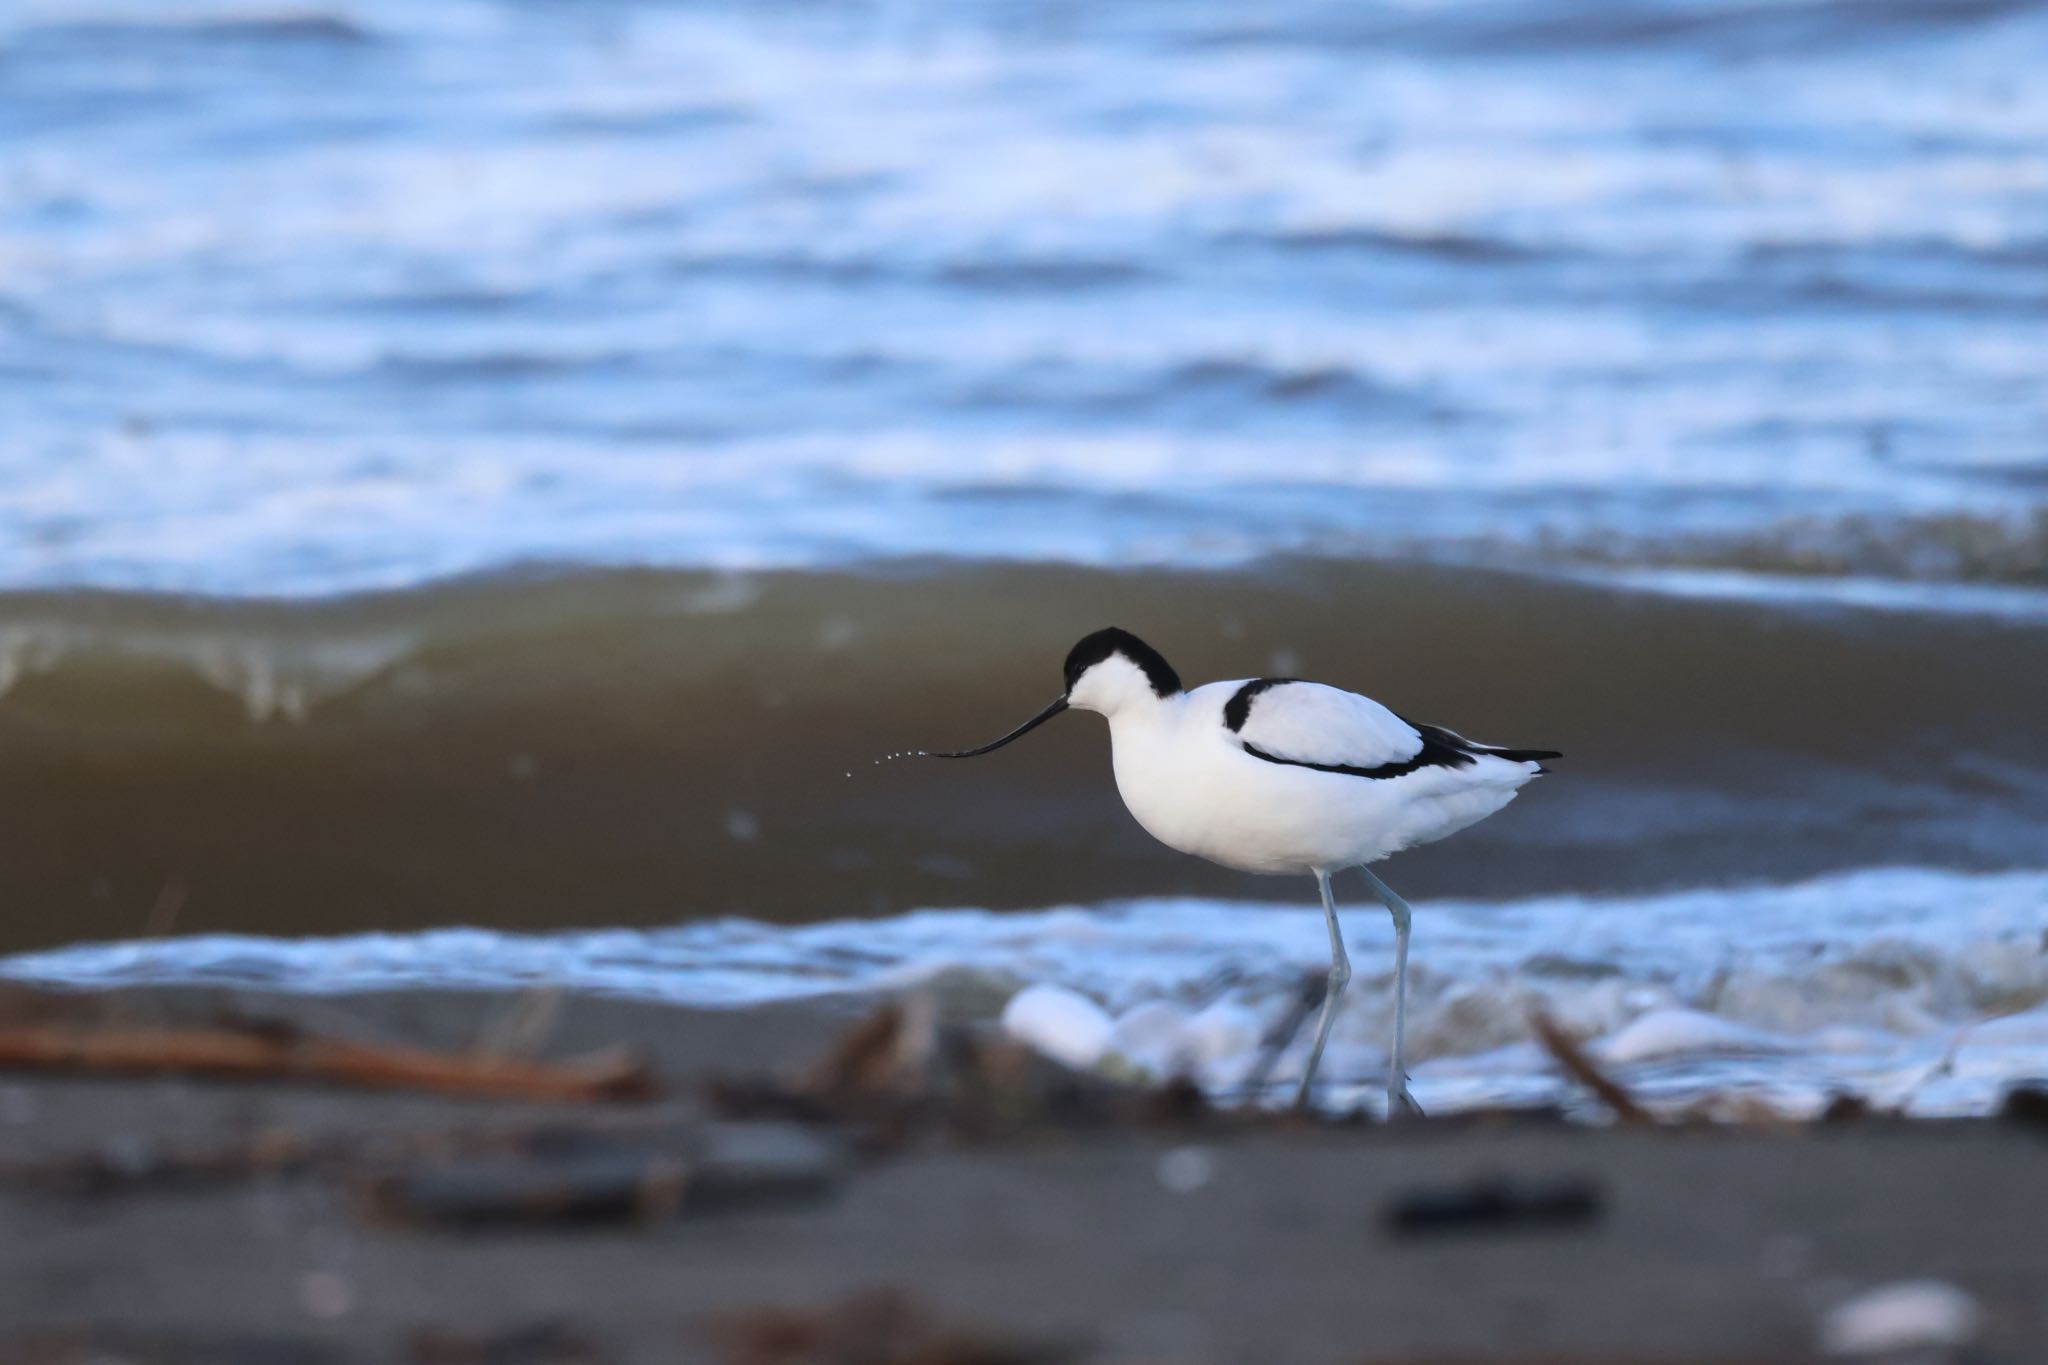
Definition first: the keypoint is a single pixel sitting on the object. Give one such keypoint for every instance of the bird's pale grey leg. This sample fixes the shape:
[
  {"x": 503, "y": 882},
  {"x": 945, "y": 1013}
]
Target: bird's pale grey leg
[
  {"x": 1340, "y": 972},
  {"x": 1398, "y": 1100}
]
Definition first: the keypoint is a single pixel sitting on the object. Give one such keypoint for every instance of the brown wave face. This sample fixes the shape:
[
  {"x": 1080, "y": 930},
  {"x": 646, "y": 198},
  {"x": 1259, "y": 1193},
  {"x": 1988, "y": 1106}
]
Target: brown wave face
[{"x": 643, "y": 747}]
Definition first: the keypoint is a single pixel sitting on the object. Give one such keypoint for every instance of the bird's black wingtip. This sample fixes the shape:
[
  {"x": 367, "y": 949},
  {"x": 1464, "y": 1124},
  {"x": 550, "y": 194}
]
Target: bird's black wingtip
[{"x": 1525, "y": 755}]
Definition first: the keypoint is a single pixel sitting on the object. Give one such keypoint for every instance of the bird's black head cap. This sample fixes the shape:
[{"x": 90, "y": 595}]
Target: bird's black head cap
[{"x": 1093, "y": 649}]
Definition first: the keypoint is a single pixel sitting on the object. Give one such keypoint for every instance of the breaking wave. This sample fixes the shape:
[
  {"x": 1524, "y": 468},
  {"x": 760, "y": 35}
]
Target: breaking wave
[
  {"x": 551, "y": 749},
  {"x": 1911, "y": 986}
]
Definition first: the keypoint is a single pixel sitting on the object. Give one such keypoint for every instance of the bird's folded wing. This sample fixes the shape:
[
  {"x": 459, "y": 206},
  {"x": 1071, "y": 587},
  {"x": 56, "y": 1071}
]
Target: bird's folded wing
[{"x": 1309, "y": 723}]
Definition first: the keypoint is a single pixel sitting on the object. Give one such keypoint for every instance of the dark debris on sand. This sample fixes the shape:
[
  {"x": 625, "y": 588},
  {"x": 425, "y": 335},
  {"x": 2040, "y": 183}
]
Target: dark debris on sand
[
  {"x": 899, "y": 1075},
  {"x": 897, "y": 1088},
  {"x": 895, "y": 1077},
  {"x": 878, "y": 1327}
]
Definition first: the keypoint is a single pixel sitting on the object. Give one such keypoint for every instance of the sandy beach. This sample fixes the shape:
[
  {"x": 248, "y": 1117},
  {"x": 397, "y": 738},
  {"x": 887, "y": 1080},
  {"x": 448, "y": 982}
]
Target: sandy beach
[{"x": 140, "y": 1236}]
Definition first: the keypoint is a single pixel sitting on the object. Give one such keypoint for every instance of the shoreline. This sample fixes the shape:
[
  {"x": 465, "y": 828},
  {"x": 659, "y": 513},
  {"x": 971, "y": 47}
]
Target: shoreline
[{"x": 1918, "y": 989}]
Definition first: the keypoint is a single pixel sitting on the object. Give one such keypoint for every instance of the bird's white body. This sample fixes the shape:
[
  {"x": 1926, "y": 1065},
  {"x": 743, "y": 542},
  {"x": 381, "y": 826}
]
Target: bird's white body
[
  {"x": 1189, "y": 779},
  {"x": 1279, "y": 775}
]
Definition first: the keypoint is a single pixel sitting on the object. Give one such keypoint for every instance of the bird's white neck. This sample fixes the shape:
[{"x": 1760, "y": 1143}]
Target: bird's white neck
[
  {"x": 1116, "y": 687},
  {"x": 1143, "y": 713}
]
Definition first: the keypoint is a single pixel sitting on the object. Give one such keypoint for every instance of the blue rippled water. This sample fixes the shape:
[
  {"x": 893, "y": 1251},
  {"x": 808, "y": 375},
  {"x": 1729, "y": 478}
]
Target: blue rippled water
[{"x": 365, "y": 292}]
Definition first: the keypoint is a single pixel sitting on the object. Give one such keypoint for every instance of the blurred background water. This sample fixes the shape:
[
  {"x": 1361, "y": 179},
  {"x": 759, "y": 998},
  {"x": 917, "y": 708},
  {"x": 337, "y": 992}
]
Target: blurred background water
[
  {"x": 503, "y": 463},
  {"x": 320, "y": 297}
]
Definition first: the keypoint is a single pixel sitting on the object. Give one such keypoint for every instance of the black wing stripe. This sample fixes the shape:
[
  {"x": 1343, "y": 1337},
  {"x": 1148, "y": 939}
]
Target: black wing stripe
[
  {"x": 1432, "y": 756},
  {"x": 1441, "y": 748},
  {"x": 1238, "y": 709}
]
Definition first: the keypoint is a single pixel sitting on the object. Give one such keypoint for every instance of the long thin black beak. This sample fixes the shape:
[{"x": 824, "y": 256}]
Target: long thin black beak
[{"x": 1026, "y": 728}]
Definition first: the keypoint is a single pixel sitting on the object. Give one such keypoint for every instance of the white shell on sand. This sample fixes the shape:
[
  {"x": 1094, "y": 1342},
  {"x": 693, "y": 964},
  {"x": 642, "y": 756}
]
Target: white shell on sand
[{"x": 1065, "y": 1025}]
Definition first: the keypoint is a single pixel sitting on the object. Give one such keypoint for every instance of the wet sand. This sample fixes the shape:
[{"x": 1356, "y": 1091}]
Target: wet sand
[{"x": 1189, "y": 1244}]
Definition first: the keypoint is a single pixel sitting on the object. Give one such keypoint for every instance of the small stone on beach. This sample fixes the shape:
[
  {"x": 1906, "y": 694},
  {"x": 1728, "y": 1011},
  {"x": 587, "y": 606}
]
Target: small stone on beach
[
  {"x": 1904, "y": 1316},
  {"x": 1183, "y": 1170}
]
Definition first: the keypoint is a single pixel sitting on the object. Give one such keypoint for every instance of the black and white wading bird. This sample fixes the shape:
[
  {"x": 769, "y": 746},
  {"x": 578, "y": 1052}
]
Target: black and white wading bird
[{"x": 1278, "y": 775}]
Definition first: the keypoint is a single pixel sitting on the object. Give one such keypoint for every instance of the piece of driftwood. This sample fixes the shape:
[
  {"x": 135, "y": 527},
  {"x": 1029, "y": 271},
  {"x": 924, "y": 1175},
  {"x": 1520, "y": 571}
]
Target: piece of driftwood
[
  {"x": 278, "y": 1054},
  {"x": 1495, "y": 1204},
  {"x": 890, "y": 1050},
  {"x": 1308, "y": 1000},
  {"x": 540, "y": 1343},
  {"x": 1567, "y": 1053},
  {"x": 743, "y": 1167},
  {"x": 597, "y": 1186},
  {"x": 130, "y": 1347},
  {"x": 896, "y": 1075},
  {"x": 880, "y": 1327},
  {"x": 2026, "y": 1104},
  {"x": 577, "y": 1176},
  {"x": 1580, "y": 1358},
  {"x": 141, "y": 1164}
]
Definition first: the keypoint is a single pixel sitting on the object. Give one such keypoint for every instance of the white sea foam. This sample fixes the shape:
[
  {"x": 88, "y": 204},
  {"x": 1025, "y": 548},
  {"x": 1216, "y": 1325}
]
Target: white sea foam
[{"x": 1914, "y": 986}]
